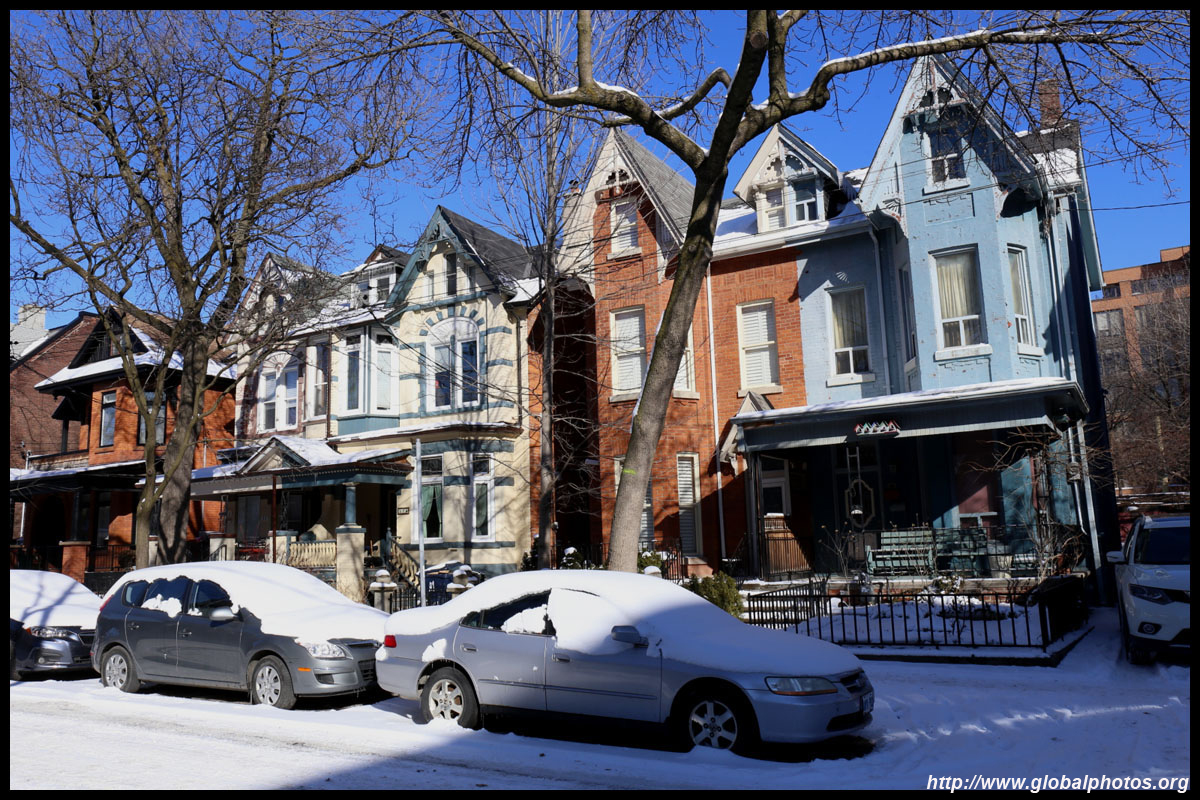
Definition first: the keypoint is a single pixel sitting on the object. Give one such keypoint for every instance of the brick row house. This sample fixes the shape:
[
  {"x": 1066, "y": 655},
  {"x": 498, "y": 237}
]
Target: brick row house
[
  {"x": 79, "y": 498},
  {"x": 873, "y": 350}
]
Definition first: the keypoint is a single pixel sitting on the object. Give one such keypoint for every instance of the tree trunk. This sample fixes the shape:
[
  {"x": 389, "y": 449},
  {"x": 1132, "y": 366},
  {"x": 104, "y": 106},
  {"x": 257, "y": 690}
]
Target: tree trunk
[
  {"x": 669, "y": 345},
  {"x": 180, "y": 452}
]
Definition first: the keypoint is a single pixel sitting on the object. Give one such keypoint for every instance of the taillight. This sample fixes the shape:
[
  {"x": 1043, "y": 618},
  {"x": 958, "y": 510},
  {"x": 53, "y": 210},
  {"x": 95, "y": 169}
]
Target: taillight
[{"x": 389, "y": 641}]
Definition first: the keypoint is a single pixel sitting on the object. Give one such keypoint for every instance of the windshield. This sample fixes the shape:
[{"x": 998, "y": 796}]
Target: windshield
[{"x": 1166, "y": 545}]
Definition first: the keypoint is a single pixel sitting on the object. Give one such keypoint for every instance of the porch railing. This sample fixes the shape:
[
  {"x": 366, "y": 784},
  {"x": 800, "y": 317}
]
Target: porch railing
[{"x": 1033, "y": 618}]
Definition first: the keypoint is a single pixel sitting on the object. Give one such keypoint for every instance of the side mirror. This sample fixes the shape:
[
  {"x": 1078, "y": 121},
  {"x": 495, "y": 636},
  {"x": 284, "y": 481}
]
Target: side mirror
[
  {"x": 627, "y": 634},
  {"x": 1115, "y": 557},
  {"x": 222, "y": 614}
]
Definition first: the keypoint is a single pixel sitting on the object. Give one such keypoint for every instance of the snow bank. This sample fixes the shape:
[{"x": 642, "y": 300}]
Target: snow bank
[
  {"x": 288, "y": 601},
  {"x": 49, "y": 598}
]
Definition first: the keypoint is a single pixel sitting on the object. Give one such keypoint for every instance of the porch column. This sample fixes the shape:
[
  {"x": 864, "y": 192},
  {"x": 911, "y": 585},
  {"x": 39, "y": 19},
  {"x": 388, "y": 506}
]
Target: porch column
[{"x": 351, "y": 541}]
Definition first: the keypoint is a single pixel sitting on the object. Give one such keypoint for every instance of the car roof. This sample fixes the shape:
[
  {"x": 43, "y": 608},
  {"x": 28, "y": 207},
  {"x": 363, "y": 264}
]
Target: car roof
[{"x": 1167, "y": 522}]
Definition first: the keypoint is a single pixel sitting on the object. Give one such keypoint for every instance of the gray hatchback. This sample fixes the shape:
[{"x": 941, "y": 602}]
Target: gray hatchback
[{"x": 273, "y": 630}]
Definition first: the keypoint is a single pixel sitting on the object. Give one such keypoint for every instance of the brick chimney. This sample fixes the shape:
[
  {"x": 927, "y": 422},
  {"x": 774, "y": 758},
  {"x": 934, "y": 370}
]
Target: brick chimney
[{"x": 1050, "y": 103}]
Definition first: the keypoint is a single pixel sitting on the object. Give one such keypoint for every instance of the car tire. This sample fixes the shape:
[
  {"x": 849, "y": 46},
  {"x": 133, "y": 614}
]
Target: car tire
[
  {"x": 117, "y": 670},
  {"x": 448, "y": 694},
  {"x": 271, "y": 685},
  {"x": 14, "y": 674},
  {"x": 716, "y": 718},
  {"x": 1135, "y": 653}
]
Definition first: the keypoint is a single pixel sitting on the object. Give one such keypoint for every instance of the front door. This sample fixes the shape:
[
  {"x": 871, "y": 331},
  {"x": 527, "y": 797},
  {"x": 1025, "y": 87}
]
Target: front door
[{"x": 210, "y": 650}]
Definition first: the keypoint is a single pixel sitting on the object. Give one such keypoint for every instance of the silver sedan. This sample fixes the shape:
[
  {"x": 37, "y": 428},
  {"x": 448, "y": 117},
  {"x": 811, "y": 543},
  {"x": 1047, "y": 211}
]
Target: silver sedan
[{"x": 621, "y": 646}]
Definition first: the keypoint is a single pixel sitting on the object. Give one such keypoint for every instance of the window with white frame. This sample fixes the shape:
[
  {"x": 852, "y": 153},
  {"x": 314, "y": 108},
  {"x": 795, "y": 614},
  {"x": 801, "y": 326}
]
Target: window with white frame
[
  {"x": 687, "y": 470},
  {"x": 624, "y": 227},
  {"x": 316, "y": 379},
  {"x": 108, "y": 418},
  {"x": 960, "y": 305},
  {"x": 483, "y": 487},
  {"x": 791, "y": 203},
  {"x": 756, "y": 337},
  {"x": 353, "y": 372},
  {"x": 646, "y": 529},
  {"x": 160, "y": 421},
  {"x": 667, "y": 248},
  {"x": 277, "y": 396},
  {"x": 628, "y": 349},
  {"x": 851, "y": 352},
  {"x": 432, "y": 499},
  {"x": 385, "y": 375},
  {"x": 1018, "y": 269},
  {"x": 453, "y": 376},
  {"x": 685, "y": 377}
]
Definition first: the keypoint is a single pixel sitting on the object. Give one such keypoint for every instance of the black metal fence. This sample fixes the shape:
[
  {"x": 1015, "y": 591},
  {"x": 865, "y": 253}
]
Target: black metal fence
[
  {"x": 666, "y": 554},
  {"x": 861, "y": 616}
]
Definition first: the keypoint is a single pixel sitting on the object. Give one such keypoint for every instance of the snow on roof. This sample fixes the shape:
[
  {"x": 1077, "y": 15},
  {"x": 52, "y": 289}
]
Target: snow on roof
[
  {"x": 737, "y": 228},
  {"x": 427, "y": 427},
  {"x": 681, "y": 623},
  {"x": 969, "y": 392},
  {"x": 151, "y": 358},
  {"x": 289, "y": 602},
  {"x": 29, "y": 474},
  {"x": 50, "y": 598}
]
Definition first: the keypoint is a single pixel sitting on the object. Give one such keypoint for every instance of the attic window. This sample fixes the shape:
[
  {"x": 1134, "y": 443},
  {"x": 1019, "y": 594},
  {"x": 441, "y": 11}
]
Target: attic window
[
  {"x": 945, "y": 155},
  {"x": 788, "y": 204}
]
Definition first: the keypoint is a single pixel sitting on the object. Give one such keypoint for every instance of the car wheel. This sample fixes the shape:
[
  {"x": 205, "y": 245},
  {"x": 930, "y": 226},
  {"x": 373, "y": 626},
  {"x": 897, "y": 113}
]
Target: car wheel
[
  {"x": 717, "y": 719},
  {"x": 13, "y": 673},
  {"x": 118, "y": 670},
  {"x": 448, "y": 695},
  {"x": 270, "y": 684},
  {"x": 1135, "y": 653}
]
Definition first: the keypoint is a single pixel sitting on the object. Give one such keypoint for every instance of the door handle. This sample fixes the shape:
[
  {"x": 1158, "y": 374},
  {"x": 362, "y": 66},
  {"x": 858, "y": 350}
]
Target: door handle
[
  {"x": 560, "y": 657},
  {"x": 134, "y": 625},
  {"x": 185, "y": 633},
  {"x": 468, "y": 648}
]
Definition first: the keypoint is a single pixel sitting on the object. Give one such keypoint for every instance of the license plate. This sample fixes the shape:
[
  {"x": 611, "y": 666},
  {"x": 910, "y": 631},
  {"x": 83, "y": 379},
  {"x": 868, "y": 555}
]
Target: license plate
[{"x": 867, "y": 702}]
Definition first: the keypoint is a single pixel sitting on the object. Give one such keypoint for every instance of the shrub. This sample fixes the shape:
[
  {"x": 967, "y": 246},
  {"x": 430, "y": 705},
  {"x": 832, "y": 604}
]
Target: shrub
[
  {"x": 720, "y": 590},
  {"x": 649, "y": 559}
]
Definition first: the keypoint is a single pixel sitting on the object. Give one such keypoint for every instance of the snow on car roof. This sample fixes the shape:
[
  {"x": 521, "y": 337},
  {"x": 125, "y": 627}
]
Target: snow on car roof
[
  {"x": 289, "y": 602},
  {"x": 691, "y": 628},
  {"x": 36, "y": 597}
]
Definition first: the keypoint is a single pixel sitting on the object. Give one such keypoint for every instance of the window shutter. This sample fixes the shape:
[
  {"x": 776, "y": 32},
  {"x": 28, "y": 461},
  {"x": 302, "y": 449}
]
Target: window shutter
[
  {"x": 629, "y": 347},
  {"x": 758, "y": 345},
  {"x": 686, "y": 474}
]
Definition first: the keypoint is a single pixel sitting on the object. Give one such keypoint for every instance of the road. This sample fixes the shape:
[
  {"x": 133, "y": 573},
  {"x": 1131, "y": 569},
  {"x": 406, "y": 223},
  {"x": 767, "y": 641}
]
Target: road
[{"x": 1093, "y": 715}]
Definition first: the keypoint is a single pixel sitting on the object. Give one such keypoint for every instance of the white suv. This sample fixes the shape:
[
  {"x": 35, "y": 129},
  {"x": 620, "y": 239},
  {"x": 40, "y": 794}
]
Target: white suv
[{"x": 1154, "y": 595}]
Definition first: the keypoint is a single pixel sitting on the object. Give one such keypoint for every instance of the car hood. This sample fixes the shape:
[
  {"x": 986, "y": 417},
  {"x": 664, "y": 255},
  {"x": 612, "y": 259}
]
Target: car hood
[
  {"x": 321, "y": 624},
  {"x": 746, "y": 648},
  {"x": 1162, "y": 576},
  {"x": 50, "y": 599}
]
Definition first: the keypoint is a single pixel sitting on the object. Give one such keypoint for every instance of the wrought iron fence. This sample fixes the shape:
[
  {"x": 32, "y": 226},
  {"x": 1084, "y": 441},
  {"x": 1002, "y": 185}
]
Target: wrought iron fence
[
  {"x": 860, "y": 616},
  {"x": 666, "y": 554}
]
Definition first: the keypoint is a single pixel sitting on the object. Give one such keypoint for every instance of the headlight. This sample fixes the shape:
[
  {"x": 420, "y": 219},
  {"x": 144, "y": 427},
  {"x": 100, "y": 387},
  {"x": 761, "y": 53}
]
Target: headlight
[
  {"x": 43, "y": 632},
  {"x": 1149, "y": 593},
  {"x": 801, "y": 686},
  {"x": 324, "y": 649}
]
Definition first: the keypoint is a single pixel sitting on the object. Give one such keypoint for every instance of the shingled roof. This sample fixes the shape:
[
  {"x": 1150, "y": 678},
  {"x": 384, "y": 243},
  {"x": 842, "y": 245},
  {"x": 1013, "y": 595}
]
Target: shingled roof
[
  {"x": 670, "y": 192},
  {"x": 507, "y": 260}
]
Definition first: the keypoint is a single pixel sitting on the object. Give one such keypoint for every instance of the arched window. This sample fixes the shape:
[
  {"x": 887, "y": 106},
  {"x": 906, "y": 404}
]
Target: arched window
[
  {"x": 277, "y": 399},
  {"x": 452, "y": 364}
]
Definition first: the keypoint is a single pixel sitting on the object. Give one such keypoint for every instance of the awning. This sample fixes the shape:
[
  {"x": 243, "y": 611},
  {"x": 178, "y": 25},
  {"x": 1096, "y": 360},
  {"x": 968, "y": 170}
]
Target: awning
[
  {"x": 1052, "y": 403},
  {"x": 24, "y": 484}
]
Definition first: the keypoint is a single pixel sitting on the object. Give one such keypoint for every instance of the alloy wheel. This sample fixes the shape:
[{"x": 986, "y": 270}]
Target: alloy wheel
[
  {"x": 712, "y": 723},
  {"x": 267, "y": 685},
  {"x": 445, "y": 700}
]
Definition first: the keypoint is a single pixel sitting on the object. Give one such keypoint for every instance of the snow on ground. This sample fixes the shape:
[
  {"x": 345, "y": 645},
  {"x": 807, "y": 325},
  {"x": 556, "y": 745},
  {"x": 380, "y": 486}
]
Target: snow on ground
[{"x": 1092, "y": 716}]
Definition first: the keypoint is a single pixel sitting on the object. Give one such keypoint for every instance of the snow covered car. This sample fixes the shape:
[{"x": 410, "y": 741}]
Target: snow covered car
[
  {"x": 268, "y": 628},
  {"x": 626, "y": 646},
  {"x": 1154, "y": 597},
  {"x": 51, "y": 622}
]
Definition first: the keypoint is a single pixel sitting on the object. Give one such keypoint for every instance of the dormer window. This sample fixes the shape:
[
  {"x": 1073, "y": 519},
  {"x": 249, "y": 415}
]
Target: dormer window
[
  {"x": 945, "y": 156},
  {"x": 788, "y": 204}
]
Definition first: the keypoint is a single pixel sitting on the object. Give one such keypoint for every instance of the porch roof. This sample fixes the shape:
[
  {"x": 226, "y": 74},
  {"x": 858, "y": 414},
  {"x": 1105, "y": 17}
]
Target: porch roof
[
  {"x": 26, "y": 483},
  {"x": 1035, "y": 402}
]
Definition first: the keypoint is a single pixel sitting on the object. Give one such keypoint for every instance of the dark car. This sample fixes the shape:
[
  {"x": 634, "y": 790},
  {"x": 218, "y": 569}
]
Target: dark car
[
  {"x": 267, "y": 628},
  {"x": 51, "y": 622}
]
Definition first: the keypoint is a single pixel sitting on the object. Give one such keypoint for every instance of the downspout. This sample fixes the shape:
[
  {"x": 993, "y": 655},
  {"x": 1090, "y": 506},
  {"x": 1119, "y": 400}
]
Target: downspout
[
  {"x": 417, "y": 530},
  {"x": 712, "y": 370}
]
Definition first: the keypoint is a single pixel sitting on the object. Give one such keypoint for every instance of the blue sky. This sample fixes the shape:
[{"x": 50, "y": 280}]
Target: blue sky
[{"x": 1134, "y": 219}]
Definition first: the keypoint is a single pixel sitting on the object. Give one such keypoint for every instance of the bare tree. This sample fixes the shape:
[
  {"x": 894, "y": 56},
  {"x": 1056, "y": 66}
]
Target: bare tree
[
  {"x": 156, "y": 153},
  {"x": 1148, "y": 390},
  {"x": 1126, "y": 73}
]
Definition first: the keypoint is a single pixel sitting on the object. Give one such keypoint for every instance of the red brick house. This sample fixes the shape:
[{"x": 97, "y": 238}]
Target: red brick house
[
  {"x": 80, "y": 497},
  {"x": 32, "y": 428},
  {"x": 744, "y": 348}
]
